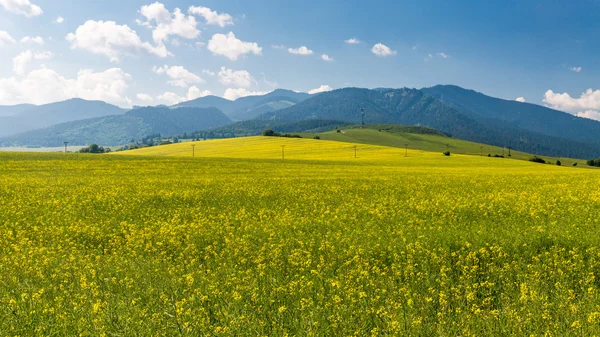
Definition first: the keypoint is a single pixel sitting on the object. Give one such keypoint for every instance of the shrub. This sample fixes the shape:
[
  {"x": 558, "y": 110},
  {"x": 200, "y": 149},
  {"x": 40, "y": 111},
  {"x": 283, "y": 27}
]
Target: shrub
[
  {"x": 446, "y": 153},
  {"x": 558, "y": 163},
  {"x": 316, "y": 137},
  {"x": 94, "y": 148},
  {"x": 537, "y": 159},
  {"x": 575, "y": 164},
  {"x": 269, "y": 133},
  {"x": 593, "y": 162}
]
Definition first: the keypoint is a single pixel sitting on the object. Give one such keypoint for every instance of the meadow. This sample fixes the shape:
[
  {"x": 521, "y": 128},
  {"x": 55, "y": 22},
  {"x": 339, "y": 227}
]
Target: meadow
[{"x": 237, "y": 241}]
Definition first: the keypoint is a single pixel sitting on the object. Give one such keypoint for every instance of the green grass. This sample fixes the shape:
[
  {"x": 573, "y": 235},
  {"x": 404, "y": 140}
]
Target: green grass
[{"x": 426, "y": 142}]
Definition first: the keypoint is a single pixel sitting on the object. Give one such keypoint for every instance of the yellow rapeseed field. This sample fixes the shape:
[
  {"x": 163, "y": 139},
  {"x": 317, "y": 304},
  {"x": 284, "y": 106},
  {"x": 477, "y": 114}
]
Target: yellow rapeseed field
[{"x": 237, "y": 241}]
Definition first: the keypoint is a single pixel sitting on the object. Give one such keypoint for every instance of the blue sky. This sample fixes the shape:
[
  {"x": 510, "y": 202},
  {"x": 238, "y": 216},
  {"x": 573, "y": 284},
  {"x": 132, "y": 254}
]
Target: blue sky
[{"x": 142, "y": 52}]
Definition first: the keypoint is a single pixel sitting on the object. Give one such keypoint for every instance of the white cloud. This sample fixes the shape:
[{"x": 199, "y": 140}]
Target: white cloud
[
  {"x": 31, "y": 39},
  {"x": 589, "y": 100},
  {"x": 43, "y": 86},
  {"x": 382, "y": 50},
  {"x": 59, "y": 19},
  {"x": 164, "y": 24},
  {"x": 591, "y": 114},
  {"x": 23, "y": 7},
  {"x": 194, "y": 92},
  {"x": 430, "y": 57},
  {"x": 520, "y": 99},
  {"x": 326, "y": 57},
  {"x": 144, "y": 98},
  {"x": 576, "y": 69},
  {"x": 5, "y": 38},
  {"x": 238, "y": 78},
  {"x": 208, "y": 72},
  {"x": 212, "y": 17},
  {"x": 322, "y": 88},
  {"x": 200, "y": 44},
  {"x": 352, "y": 41},
  {"x": 180, "y": 77},
  {"x": 20, "y": 61},
  {"x": 170, "y": 98},
  {"x": 278, "y": 46},
  {"x": 303, "y": 50},
  {"x": 231, "y": 47},
  {"x": 233, "y": 94},
  {"x": 111, "y": 40}
]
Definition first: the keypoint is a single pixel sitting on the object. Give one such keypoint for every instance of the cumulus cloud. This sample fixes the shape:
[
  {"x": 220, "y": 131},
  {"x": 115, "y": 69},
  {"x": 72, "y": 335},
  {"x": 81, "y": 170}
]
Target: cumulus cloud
[
  {"x": 278, "y": 46},
  {"x": 180, "y": 77},
  {"x": 520, "y": 99},
  {"x": 211, "y": 17},
  {"x": 164, "y": 23},
  {"x": 590, "y": 114},
  {"x": 44, "y": 85},
  {"x": 327, "y": 58},
  {"x": 322, "y": 88},
  {"x": 194, "y": 92},
  {"x": 208, "y": 72},
  {"x": 20, "y": 61},
  {"x": 589, "y": 100},
  {"x": 5, "y": 38},
  {"x": 111, "y": 40},
  {"x": 59, "y": 19},
  {"x": 238, "y": 78},
  {"x": 576, "y": 69},
  {"x": 22, "y": 7},
  {"x": 233, "y": 94},
  {"x": 302, "y": 50},
  {"x": 172, "y": 98},
  {"x": 144, "y": 98},
  {"x": 232, "y": 47},
  {"x": 382, "y": 50},
  {"x": 352, "y": 41},
  {"x": 32, "y": 39}
]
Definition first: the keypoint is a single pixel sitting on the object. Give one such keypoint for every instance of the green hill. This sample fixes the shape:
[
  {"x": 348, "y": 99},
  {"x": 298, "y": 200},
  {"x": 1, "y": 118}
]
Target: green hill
[{"x": 423, "y": 139}]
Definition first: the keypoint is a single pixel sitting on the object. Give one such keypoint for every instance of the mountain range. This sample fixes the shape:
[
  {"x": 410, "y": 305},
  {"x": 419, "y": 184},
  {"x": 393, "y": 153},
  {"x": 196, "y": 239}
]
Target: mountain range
[
  {"x": 121, "y": 129},
  {"x": 248, "y": 107},
  {"x": 20, "y": 118},
  {"x": 462, "y": 113}
]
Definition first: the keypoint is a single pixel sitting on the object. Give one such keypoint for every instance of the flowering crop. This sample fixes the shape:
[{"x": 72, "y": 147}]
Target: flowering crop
[{"x": 423, "y": 245}]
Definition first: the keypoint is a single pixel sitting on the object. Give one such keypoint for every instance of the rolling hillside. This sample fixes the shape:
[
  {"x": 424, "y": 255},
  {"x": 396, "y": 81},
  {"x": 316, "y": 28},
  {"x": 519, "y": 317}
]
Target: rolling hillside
[
  {"x": 120, "y": 129},
  {"x": 21, "y": 118},
  {"x": 371, "y": 143},
  {"x": 415, "y": 107}
]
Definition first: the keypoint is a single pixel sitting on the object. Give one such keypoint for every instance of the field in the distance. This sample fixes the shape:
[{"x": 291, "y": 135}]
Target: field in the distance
[{"x": 321, "y": 243}]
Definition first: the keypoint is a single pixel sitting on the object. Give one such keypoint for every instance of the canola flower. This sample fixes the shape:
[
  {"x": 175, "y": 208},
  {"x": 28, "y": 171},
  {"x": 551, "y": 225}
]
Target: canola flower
[{"x": 424, "y": 245}]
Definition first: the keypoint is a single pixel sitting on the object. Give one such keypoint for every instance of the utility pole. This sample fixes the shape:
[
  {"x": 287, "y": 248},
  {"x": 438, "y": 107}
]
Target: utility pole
[
  {"x": 406, "y": 150},
  {"x": 193, "y": 150},
  {"x": 509, "y": 152},
  {"x": 65, "y": 146},
  {"x": 362, "y": 113},
  {"x": 354, "y": 151},
  {"x": 282, "y": 152}
]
